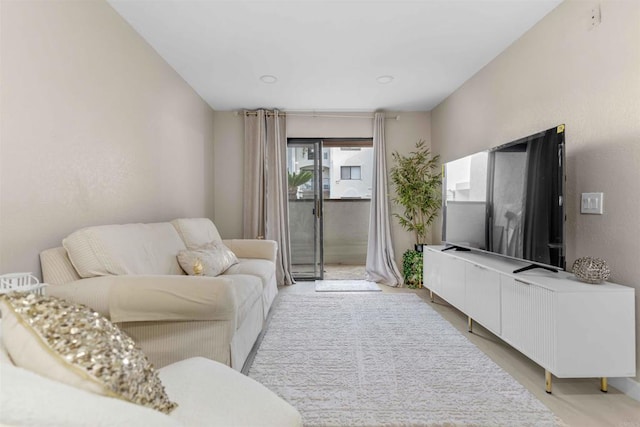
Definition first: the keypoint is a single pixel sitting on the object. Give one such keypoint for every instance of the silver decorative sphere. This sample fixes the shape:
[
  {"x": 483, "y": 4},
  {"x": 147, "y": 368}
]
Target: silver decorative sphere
[{"x": 591, "y": 270}]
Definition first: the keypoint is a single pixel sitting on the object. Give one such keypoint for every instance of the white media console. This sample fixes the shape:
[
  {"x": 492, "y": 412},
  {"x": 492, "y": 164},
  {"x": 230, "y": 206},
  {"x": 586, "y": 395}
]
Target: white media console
[{"x": 570, "y": 328}]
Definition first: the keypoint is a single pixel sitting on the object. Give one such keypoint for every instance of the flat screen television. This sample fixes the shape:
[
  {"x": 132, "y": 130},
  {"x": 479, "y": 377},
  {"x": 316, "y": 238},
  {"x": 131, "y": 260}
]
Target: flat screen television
[{"x": 509, "y": 200}]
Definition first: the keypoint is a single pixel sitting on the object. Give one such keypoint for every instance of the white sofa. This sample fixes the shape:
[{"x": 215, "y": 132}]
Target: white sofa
[
  {"x": 208, "y": 393},
  {"x": 130, "y": 274}
]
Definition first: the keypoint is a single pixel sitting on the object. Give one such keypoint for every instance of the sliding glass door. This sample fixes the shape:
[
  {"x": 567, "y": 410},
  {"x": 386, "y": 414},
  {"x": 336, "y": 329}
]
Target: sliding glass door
[{"x": 304, "y": 167}]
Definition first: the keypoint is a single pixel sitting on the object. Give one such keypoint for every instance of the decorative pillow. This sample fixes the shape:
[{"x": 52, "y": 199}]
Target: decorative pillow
[
  {"x": 211, "y": 259},
  {"x": 75, "y": 345}
]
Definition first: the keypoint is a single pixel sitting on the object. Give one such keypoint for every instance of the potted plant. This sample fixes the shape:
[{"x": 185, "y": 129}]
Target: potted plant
[
  {"x": 412, "y": 268},
  {"x": 295, "y": 180},
  {"x": 416, "y": 179}
]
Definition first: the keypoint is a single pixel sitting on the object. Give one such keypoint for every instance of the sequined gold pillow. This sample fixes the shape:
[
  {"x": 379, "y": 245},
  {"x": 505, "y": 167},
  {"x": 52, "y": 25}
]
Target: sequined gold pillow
[
  {"x": 75, "y": 345},
  {"x": 211, "y": 259}
]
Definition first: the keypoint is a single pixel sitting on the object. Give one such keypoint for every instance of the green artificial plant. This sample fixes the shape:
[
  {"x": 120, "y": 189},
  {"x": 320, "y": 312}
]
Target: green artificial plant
[
  {"x": 416, "y": 179},
  {"x": 412, "y": 268}
]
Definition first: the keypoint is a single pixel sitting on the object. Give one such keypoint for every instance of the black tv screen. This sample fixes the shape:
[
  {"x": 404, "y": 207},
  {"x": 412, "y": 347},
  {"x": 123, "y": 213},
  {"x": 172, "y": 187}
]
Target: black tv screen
[{"x": 509, "y": 200}]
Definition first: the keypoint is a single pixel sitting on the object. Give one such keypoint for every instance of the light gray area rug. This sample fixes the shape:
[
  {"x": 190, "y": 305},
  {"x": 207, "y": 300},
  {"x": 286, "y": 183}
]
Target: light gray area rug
[
  {"x": 346, "y": 286},
  {"x": 385, "y": 360}
]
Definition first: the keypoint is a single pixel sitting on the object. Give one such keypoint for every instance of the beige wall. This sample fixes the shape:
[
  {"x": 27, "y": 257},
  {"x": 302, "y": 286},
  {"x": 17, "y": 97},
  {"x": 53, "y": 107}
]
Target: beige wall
[
  {"x": 96, "y": 129},
  {"x": 228, "y": 170},
  {"x": 563, "y": 72},
  {"x": 401, "y": 135}
]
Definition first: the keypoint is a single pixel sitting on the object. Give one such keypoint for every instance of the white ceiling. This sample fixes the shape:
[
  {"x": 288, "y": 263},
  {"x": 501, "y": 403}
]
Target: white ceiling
[{"x": 328, "y": 54}]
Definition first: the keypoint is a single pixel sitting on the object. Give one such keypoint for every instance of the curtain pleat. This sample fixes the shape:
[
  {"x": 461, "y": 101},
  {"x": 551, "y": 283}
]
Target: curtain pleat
[
  {"x": 253, "y": 226},
  {"x": 380, "y": 266},
  {"x": 266, "y": 209}
]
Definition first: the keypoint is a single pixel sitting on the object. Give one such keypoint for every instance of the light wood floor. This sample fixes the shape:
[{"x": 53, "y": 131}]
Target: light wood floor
[
  {"x": 344, "y": 272},
  {"x": 578, "y": 402}
]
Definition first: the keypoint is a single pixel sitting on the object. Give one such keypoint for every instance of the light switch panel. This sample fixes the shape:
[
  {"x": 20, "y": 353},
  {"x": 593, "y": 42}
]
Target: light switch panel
[{"x": 592, "y": 203}]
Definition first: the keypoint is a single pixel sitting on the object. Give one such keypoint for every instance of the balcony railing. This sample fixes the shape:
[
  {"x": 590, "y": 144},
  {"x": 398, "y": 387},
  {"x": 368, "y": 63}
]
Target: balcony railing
[{"x": 346, "y": 227}]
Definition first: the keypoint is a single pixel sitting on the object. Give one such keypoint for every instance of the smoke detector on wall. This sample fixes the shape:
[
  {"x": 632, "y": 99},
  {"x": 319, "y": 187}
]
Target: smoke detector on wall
[
  {"x": 268, "y": 78},
  {"x": 383, "y": 80}
]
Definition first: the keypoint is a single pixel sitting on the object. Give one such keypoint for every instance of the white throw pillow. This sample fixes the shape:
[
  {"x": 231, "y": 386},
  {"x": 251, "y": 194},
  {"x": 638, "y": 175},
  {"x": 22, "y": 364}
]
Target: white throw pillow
[
  {"x": 75, "y": 345},
  {"x": 211, "y": 259}
]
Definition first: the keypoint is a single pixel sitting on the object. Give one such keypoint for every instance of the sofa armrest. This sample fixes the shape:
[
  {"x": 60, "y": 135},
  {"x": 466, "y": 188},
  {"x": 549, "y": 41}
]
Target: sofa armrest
[
  {"x": 141, "y": 298},
  {"x": 93, "y": 292},
  {"x": 253, "y": 248}
]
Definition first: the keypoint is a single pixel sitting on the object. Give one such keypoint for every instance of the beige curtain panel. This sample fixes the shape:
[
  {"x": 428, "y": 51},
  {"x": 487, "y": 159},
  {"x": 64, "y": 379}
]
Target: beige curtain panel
[
  {"x": 266, "y": 210},
  {"x": 380, "y": 266}
]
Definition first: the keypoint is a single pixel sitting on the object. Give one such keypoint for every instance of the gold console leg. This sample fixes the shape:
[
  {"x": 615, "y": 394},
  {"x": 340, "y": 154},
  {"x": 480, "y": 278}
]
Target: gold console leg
[
  {"x": 469, "y": 324},
  {"x": 547, "y": 381},
  {"x": 431, "y": 295},
  {"x": 604, "y": 387}
]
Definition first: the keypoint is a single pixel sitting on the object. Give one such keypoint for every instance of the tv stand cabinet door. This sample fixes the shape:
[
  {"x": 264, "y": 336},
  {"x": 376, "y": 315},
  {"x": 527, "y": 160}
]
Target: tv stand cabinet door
[
  {"x": 529, "y": 320},
  {"x": 482, "y": 297},
  {"x": 432, "y": 270},
  {"x": 453, "y": 281},
  {"x": 596, "y": 334}
]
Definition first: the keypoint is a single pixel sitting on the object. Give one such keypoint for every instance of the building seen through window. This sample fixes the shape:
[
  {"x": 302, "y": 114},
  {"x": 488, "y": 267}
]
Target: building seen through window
[{"x": 346, "y": 171}]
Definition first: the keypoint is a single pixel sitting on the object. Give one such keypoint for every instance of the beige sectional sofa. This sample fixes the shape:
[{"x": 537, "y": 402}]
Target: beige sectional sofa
[{"x": 130, "y": 274}]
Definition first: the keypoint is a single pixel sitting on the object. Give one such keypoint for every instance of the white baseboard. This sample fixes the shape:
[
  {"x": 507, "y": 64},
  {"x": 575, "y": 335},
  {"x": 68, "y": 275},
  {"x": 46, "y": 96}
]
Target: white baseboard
[{"x": 628, "y": 386}]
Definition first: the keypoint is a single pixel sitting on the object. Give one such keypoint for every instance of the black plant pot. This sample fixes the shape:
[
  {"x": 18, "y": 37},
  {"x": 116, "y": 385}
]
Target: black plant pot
[{"x": 419, "y": 247}]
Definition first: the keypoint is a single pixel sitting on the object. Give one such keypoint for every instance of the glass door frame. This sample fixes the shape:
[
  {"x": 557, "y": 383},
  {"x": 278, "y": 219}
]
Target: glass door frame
[{"x": 317, "y": 210}]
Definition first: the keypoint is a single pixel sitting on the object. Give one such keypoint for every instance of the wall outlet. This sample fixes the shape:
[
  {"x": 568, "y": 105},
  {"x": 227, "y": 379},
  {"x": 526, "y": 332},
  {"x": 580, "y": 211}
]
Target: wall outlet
[{"x": 592, "y": 203}]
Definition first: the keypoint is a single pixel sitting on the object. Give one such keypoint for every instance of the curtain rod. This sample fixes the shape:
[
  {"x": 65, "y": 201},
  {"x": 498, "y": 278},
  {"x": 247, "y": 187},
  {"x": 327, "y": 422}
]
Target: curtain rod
[{"x": 317, "y": 115}]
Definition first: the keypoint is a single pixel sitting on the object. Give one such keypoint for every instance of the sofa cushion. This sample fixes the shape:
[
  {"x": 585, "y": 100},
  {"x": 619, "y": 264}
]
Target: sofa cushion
[
  {"x": 73, "y": 344},
  {"x": 262, "y": 268},
  {"x": 196, "y": 232},
  {"x": 223, "y": 397},
  {"x": 210, "y": 260},
  {"x": 4, "y": 355},
  {"x": 56, "y": 266},
  {"x": 28, "y": 399},
  {"x": 125, "y": 249}
]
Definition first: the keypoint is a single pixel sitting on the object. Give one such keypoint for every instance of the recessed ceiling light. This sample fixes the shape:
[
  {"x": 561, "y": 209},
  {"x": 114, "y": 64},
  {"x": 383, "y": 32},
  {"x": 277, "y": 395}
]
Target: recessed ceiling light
[
  {"x": 268, "y": 78},
  {"x": 383, "y": 80}
]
